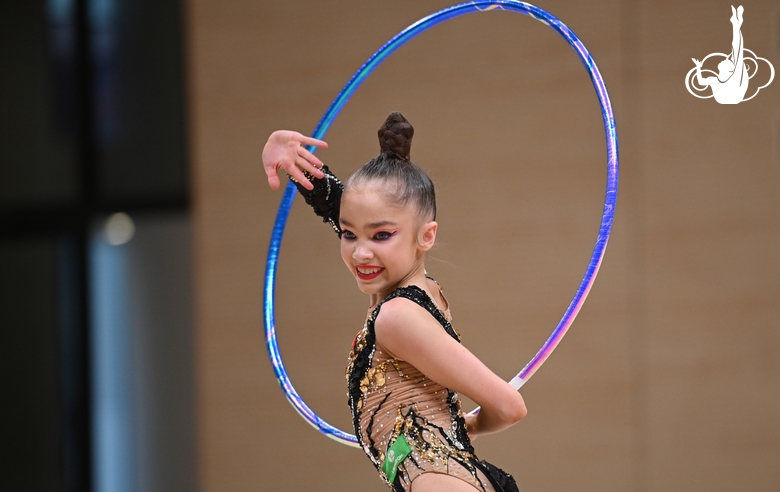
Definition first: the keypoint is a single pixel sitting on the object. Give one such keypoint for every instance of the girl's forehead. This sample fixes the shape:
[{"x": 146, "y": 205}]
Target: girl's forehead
[
  {"x": 367, "y": 203},
  {"x": 366, "y": 191}
]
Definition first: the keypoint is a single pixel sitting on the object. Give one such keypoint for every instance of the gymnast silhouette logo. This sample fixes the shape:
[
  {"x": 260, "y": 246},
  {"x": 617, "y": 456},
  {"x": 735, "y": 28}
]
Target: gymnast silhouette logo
[{"x": 735, "y": 70}]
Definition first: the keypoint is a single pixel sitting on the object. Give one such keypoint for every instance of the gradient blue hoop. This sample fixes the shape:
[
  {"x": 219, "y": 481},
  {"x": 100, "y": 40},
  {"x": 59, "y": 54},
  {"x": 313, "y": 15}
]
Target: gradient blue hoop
[{"x": 368, "y": 67}]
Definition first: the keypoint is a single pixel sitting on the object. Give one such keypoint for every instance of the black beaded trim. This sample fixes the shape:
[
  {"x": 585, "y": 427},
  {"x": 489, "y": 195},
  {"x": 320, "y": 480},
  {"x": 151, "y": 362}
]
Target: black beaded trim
[
  {"x": 360, "y": 363},
  {"x": 325, "y": 198},
  {"x": 421, "y": 298}
]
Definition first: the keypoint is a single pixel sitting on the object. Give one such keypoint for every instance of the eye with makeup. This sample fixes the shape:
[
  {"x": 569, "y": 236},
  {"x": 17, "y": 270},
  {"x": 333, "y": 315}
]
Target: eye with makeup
[
  {"x": 384, "y": 235},
  {"x": 379, "y": 236}
]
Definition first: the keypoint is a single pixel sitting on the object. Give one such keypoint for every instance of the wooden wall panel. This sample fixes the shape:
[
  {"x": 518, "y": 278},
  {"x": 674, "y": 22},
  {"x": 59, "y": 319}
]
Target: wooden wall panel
[
  {"x": 669, "y": 377},
  {"x": 713, "y": 225}
]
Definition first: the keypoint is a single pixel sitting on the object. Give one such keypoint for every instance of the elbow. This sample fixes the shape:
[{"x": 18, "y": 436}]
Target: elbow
[
  {"x": 523, "y": 413},
  {"x": 515, "y": 410},
  {"x": 520, "y": 412}
]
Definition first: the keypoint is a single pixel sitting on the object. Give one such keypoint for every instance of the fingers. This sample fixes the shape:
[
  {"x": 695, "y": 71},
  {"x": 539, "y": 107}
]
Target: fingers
[
  {"x": 313, "y": 141},
  {"x": 285, "y": 150},
  {"x": 273, "y": 181},
  {"x": 298, "y": 176},
  {"x": 272, "y": 171},
  {"x": 306, "y": 160},
  {"x": 304, "y": 165},
  {"x": 304, "y": 152},
  {"x": 273, "y": 176}
]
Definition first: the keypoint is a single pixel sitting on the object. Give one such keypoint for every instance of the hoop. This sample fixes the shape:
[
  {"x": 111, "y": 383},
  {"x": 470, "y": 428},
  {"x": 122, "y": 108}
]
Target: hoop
[{"x": 368, "y": 67}]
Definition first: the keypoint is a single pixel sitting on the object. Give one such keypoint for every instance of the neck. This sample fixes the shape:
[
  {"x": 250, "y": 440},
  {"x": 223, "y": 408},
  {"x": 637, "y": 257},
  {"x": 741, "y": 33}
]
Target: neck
[{"x": 415, "y": 277}]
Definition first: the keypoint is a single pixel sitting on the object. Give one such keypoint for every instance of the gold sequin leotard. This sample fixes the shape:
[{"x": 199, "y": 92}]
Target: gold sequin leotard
[{"x": 390, "y": 398}]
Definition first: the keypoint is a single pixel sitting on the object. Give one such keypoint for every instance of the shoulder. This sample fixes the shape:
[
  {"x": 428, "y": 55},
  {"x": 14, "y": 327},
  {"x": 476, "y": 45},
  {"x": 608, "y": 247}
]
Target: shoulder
[
  {"x": 401, "y": 321},
  {"x": 399, "y": 311}
]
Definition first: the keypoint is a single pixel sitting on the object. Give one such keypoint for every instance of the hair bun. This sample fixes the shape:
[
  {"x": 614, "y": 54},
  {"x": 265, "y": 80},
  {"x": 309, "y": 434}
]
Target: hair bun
[{"x": 395, "y": 136}]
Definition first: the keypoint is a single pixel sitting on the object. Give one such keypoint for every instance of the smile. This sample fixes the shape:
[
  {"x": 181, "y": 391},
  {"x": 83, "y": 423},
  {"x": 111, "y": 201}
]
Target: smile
[{"x": 368, "y": 272}]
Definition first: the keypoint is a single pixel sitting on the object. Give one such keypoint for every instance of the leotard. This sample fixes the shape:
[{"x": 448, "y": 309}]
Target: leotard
[{"x": 390, "y": 399}]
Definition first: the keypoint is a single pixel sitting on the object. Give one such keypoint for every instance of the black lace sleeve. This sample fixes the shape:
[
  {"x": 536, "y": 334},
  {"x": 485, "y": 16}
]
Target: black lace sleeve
[{"x": 325, "y": 198}]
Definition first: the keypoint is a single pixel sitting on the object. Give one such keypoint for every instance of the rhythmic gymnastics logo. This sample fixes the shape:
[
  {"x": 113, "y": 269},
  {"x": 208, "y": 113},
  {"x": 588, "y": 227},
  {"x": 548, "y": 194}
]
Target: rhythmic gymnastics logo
[{"x": 730, "y": 84}]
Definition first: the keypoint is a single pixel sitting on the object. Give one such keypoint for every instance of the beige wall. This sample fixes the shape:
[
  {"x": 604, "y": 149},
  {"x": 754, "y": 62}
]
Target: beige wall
[{"x": 669, "y": 380}]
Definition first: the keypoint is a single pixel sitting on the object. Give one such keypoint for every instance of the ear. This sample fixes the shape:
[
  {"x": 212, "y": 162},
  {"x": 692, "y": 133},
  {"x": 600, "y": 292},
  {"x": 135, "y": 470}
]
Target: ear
[{"x": 427, "y": 235}]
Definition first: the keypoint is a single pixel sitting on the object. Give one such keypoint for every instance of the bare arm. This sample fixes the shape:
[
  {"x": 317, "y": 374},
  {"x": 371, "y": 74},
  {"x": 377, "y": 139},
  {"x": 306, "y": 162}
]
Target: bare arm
[{"x": 410, "y": 333}]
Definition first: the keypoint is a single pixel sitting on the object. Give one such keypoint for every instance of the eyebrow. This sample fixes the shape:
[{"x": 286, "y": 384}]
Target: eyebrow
[{"x": 372, "y": 225}]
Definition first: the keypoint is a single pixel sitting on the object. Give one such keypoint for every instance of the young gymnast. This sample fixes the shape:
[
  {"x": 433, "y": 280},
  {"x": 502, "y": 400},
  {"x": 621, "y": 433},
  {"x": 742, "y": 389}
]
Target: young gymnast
[{"x": 407, "y": 365}]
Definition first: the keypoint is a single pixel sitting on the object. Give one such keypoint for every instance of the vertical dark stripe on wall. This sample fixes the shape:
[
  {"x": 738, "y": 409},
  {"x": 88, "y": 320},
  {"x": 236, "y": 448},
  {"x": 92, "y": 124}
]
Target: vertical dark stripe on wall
[{"x": 81, "y": 471}]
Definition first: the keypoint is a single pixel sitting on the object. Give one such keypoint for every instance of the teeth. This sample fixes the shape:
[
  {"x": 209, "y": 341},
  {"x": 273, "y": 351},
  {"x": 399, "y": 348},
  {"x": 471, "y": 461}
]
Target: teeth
[{"x": 368, "y": 271}]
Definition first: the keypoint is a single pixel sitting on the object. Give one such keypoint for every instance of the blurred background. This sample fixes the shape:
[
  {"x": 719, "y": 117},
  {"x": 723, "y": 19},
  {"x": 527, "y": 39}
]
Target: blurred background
[
  {"x": 135, "y": 218},
  {"x": 95, "y": 249}
]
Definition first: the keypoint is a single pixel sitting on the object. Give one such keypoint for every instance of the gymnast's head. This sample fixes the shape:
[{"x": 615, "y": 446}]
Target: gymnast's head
[
  {"x": 404, "y": 183},
  {"x": 390, "y": 188}
]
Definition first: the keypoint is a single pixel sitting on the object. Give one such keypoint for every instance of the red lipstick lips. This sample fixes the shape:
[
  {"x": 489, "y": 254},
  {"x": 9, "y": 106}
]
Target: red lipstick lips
[{"x": 368, "y": 272}]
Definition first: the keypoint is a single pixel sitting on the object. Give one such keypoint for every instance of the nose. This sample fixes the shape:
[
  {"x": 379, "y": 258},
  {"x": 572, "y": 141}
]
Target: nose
[{"x": 361, "y": 253}]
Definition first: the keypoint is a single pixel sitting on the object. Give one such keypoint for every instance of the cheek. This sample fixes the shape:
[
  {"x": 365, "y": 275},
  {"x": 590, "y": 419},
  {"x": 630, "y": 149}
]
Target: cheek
[{"x": 346, "y": 254}]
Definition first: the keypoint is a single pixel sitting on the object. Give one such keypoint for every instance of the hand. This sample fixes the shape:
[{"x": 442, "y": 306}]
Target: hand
[
  {"x": 697, "y": 62},
  {"x": 285, "y": 150},
  {"x": 471, "y": 421}
]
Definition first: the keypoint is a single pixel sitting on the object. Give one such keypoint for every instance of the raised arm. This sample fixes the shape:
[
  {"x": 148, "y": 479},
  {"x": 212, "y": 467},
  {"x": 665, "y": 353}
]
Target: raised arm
[
  {"x": 285, "y": 150},
  {"x": 409, "y": 333}
]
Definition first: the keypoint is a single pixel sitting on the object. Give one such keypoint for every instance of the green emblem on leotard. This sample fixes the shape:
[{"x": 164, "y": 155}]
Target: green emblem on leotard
[{"x": 395, "y": 455}]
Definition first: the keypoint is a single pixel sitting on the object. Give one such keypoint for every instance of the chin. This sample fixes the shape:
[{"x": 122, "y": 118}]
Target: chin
[{"x": 368, "y": 289}]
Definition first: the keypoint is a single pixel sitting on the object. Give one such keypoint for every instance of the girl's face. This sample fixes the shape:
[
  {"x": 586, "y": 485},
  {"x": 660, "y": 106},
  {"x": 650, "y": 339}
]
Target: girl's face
[{"x": 382, "y": 244}]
